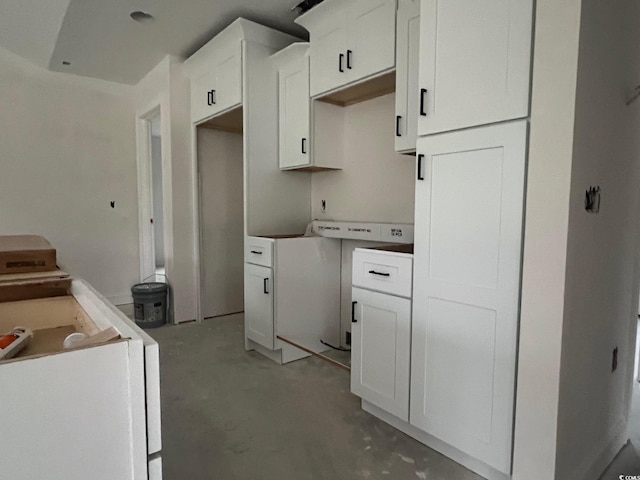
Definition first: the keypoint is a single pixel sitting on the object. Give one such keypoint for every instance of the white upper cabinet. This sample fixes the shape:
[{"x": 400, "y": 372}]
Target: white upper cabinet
[
  {"x": 407, "y": 58},
  {"x": 218, "y": 87},
  {"x": 294, "y": 106},
  {"x": 350, "y": 40},
  {"x": 474, "y": 63}
]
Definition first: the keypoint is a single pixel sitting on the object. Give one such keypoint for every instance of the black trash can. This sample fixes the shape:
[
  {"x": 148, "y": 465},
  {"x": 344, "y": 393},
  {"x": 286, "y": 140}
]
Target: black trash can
[{"x": 150, "y": 304}]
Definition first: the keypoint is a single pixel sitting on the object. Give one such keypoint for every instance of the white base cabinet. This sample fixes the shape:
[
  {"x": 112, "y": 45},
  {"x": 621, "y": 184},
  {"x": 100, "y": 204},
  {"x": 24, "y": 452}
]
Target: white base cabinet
[
  {"x": 84, "y": 413},
  {"x": 380, "y": 346},
  {"x": 258, "y": 305},
  {"x": 292, "y": 291},
  {"x": 381, "y": 329}
]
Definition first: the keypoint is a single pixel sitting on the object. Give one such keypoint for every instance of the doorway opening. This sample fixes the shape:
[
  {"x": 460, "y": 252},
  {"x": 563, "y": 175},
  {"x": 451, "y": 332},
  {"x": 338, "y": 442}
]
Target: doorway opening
[{"x": 154, "y": 175}]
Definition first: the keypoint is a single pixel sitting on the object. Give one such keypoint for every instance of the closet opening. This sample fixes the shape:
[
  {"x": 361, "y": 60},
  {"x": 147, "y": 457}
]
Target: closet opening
[{"x": 220, "y": 156}]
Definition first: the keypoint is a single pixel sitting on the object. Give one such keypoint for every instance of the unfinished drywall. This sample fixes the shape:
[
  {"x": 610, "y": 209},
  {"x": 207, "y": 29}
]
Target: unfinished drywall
[
  {"x": 376, "y": 184},
  {"x": 68, "y": 152},
  {"x": 602, "y": 252},
  {"x": 220, "y": 156}
]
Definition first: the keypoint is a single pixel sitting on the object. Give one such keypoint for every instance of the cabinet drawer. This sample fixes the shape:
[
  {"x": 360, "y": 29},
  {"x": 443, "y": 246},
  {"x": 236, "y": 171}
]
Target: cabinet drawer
[
  {"x": 259, "y": 251},
  {"x": 384, "y": 272}
]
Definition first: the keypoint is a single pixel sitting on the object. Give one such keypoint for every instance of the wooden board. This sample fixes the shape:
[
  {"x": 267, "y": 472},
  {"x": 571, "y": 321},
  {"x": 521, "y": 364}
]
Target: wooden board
[
  {"x": 231, "y": 121},
  {"x": 372, "y": 88},
  {"x": 22, "y": 277},
  {"x": 46, "y": 313},
  {"x": 46, "y": 341},
  {"x": 26, "y": 253},
  {"x": 28, "y": 290}
]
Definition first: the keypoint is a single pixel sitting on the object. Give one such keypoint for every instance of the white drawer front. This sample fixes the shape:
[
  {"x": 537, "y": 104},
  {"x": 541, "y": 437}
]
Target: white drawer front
[
  {"x": 382, "y": 272},
  {"x": 259, "y": 251}
]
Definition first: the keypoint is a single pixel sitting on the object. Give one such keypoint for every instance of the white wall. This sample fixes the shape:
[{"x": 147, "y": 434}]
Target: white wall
[
  {"x": 67, "y": 151},
  {"x": 601, "y": 293},
  {"x": 166, "y": 86},
  {"x": 545, "y": 238},
  {"x": 376, "y": 184},
  {"x": 580, "y": 270},
  {"x": 220, "y": 156}
]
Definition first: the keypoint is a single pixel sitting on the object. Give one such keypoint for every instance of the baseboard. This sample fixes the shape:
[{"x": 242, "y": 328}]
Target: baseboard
[
  {"x": 123, "y": 299},
  {"x": 447, "y": 450}
]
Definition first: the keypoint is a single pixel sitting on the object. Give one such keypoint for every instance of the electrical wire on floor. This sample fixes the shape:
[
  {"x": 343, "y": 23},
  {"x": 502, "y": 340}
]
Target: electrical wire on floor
[{"x": 340, "y": 349}]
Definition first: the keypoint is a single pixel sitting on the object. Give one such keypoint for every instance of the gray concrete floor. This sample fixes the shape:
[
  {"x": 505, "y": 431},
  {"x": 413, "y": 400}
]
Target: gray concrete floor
[{"x": 229, "y": 414}]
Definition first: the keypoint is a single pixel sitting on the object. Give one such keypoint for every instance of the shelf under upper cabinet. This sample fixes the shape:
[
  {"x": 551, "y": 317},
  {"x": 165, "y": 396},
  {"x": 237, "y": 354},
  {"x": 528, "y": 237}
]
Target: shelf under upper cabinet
[{"x": 362, "y": 91}]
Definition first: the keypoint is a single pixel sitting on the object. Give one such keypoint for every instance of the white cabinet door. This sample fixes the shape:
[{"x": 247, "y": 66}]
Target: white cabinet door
[
  {"x": 219, "y": 87},
  {"x": 468, "y": 235},
  {"x": 474, "y": 63},
  {"x": 202, "y": 96},
  {"x": 407, "y": 58},
  {"x": 328, "y": 55},
  {"x": 258, "y": 305},
  {"x": 228, "y": 86},
  {"x": 380, "y": 350},
  {"x": 294, "y": 113},
  {"x": 372, "y": 38}
]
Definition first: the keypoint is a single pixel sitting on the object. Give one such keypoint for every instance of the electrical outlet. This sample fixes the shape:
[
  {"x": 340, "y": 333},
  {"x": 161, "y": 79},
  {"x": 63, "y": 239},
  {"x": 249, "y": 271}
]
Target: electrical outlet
[{"x": 614, "y": 359}]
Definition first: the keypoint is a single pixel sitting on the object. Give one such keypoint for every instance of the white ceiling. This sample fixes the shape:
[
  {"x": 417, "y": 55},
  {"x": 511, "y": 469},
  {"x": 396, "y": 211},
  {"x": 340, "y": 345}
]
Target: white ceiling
[{"x": 99, "y": 38}]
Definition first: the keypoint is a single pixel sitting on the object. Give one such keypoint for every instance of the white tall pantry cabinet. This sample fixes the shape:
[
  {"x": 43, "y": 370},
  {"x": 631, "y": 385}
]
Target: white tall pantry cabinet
[{"x": 474, "y": 85}]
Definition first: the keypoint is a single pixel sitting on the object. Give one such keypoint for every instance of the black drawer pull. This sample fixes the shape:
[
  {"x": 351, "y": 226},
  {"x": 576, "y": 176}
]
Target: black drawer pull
[
  {"x": 256, "y": 253},
  {"x": 266, "y": 292},
  {"x": 304, "y": 145},
  {"x": 423, "y": 92},
  {"x": 349, "y": 54},
  {"x": 420, "y": 158},
  {"x": 340, "y": 60},
  {"x": 353, "y": 312},
  {"x": 398, "y": 134},
  {"x": 373, "y": 272}
]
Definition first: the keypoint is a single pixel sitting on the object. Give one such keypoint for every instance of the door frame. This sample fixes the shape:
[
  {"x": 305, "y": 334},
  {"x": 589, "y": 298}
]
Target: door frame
[{"x": 145, "y": 190}]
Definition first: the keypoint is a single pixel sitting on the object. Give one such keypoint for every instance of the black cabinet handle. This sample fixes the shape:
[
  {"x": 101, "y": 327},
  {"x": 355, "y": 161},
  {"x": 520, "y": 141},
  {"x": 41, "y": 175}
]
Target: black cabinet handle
[
  {"x": 349, "y": 55},
  {"x": 423, "y": 92},
  {"x": 398, "y": 117},
  {"x": 373, "y": 272},
  {"x": 420, "y": 158},
  {"x": 303, "y": 147},
  {"x": 256, "y": 253},
  {"x": 211, "y": 97},
  {"x": 353, "y": 312},
  {"x": 265, "y": 286},
  {"x": 340, "y": 61}
]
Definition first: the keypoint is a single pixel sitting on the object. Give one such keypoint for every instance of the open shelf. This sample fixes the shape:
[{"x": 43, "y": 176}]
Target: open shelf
[{"x": 361, "y": 92}]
